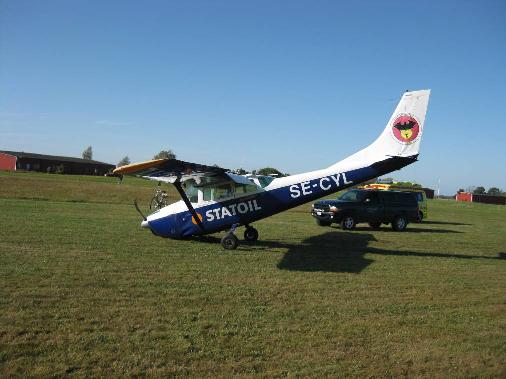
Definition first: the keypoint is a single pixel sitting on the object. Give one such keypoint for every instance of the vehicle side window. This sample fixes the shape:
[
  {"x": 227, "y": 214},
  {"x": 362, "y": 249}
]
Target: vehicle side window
[
  {"x": 388, "y": 197},
  {"x": 408, "y": 198},
  {"x": 353, "y": 195}
]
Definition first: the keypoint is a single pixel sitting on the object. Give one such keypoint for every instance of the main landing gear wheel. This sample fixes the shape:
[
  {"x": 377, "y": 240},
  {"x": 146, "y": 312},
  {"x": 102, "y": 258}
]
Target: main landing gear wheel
[
  {"x": 250, "y": 234},
  {"x": 229, "y": 241}
]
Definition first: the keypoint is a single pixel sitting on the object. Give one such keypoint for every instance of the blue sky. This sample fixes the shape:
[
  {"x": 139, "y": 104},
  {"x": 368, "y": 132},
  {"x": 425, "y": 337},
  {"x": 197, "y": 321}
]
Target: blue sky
[{"x": 297, "y": 85}]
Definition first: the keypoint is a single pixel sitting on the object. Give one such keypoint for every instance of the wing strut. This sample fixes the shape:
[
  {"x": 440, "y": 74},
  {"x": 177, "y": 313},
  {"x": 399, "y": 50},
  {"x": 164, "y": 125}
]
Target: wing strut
[{"x": 177, "y": 184}]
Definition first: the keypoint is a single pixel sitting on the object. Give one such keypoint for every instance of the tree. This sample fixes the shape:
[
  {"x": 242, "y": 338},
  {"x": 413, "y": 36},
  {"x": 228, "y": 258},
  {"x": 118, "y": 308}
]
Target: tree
[
  {"x": 269, "y": 171},
  {"x": 460, "y": 190},
  {"x": 124, "y": 161},
  {"x": 165, "y": 154},
  {"x": 240, "y": 171},
  {"x": 479, "y": 190},
  {"x": 88, "y": 153},
  {"x": 494, "y": 191}
]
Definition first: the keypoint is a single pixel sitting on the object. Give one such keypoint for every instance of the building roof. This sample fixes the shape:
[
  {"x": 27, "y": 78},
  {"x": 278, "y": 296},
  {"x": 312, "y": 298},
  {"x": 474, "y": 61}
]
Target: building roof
[{"x": 22, "y": 154}]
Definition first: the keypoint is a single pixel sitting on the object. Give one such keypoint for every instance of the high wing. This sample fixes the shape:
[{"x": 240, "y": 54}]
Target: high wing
[{"x": 170, "y": 170}]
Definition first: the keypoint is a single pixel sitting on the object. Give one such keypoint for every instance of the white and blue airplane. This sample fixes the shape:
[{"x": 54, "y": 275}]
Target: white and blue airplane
[{"x": 215, "y": 199}]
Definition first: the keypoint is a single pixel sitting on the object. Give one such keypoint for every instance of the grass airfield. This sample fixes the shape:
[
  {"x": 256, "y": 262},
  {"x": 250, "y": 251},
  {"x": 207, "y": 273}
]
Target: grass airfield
[{"x": 85, "y": 292}]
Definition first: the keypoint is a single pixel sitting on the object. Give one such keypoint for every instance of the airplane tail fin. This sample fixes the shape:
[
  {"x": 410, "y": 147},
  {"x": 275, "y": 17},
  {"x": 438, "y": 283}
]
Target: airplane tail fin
[{"x": 402, "y": 135}]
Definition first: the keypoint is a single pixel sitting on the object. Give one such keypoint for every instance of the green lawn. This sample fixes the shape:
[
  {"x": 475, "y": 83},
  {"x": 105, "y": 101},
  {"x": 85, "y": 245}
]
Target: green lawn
[{"x": 85, "y": 292}]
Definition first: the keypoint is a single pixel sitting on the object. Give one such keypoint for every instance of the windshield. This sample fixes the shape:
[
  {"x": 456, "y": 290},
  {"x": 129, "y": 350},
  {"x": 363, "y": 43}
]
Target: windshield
[
  {"x": 353, "y": 195},
  {"x": 190, "y": 189}
]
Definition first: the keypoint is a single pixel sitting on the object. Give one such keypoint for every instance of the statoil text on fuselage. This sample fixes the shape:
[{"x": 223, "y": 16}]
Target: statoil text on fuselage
[{"x": 232, "y": 210}]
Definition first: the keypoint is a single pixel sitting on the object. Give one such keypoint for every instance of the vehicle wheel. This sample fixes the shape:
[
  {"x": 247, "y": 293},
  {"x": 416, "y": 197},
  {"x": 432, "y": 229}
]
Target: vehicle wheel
[
  {"x": 399, "y": 224},
  {"x": 323, "y": 223},
  {"x": 375, "y": 225},
  {"x": 420, "y": 217},
  {"x": 251, "y": 234},
  {"x": 348, "y": 223},
  {"x": 229, "y": 242}
]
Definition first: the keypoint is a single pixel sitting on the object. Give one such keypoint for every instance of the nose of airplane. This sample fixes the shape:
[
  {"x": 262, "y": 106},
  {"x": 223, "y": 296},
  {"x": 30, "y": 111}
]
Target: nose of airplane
[{"x": 163, "y": 226}]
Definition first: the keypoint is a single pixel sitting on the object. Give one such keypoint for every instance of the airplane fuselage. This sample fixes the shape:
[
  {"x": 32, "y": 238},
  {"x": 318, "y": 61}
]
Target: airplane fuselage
[{"x": 282, "y": 194}]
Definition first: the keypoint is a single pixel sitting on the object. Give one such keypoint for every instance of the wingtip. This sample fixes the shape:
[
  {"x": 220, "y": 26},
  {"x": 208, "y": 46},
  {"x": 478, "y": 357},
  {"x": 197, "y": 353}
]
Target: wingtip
[{"x": 133, "y": 167}]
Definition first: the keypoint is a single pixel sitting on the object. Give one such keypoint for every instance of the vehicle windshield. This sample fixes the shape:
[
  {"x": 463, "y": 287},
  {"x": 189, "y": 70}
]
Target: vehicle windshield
[{"x": 353, "y": 195}]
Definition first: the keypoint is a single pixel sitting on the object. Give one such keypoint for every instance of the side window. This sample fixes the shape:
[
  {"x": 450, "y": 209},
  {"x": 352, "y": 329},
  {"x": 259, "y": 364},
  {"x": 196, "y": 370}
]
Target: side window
[
  {"x": 223, "y": 191},
  {"x": 408, "y": 198},
  {"x": 241, "y": 189},
  {"x": 208, "y": 193},
  {"x": 265, "y": 180}
]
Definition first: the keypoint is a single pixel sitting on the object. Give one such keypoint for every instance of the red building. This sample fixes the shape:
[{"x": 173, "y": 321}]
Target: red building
[
  {"x": 15, "y": 160},
  {"x": 464, "y": 196},
  {"x": 486, "y": 199},
  {"x": 7, "y": 162}
]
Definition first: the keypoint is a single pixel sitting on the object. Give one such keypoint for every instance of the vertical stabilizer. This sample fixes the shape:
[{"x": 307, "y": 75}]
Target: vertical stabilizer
[{"x": 401, "y": 136}]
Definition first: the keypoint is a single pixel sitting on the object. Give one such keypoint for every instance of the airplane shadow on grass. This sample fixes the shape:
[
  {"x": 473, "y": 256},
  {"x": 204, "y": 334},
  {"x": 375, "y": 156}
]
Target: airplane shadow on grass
[
  {"x": 345, "y": 252},
  {"x": 444, "y": 223},
  {"x": 339, "y": 251},
  {"x": 407, "y": 230}
]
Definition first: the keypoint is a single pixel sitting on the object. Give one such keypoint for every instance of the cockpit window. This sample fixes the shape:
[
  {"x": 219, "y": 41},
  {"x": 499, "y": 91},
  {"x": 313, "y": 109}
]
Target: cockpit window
[
  {"x": 265, "y": 180},
  {"x": 261, "y": 180},
  {"x": 191, "y": 190},
  {"x": 209, "y": 190},
  {"x": 245, "y": 188},
  {"x": 223, "y": 191}
]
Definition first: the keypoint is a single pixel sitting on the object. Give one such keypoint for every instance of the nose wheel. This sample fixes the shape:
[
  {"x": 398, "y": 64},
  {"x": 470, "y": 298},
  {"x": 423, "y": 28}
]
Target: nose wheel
[{"x": 230, "y": 241}]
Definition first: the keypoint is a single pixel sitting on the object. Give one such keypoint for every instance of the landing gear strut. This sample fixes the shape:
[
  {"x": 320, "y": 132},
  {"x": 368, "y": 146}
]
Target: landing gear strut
[{"x": 230, "y": 241}]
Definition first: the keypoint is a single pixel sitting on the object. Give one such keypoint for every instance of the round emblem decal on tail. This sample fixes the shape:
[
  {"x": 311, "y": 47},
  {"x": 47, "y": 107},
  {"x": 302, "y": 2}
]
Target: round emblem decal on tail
[{"x": 405, "y": 128}]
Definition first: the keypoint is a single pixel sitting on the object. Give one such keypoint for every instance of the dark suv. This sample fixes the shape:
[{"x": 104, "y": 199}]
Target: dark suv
[{"x": 374, "y": 207}]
